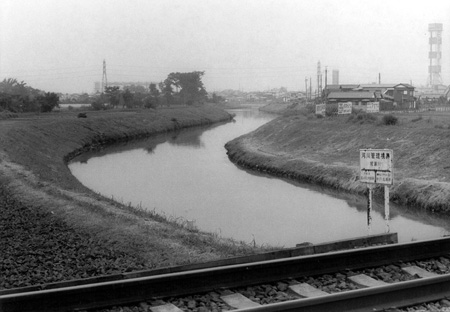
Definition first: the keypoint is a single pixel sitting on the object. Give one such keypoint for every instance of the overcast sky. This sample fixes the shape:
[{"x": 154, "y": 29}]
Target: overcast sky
[{"x": 60, "y": 45}]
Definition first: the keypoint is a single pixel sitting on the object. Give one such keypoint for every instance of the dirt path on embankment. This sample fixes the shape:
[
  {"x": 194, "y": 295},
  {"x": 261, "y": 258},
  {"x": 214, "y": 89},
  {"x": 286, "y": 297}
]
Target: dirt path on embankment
[
  {"x": 52, "y": 228},
  {"x": 325, "y": 151}
]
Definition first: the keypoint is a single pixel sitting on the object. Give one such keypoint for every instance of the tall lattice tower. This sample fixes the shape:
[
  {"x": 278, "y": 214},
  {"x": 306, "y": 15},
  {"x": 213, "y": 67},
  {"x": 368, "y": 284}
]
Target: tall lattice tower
[
  {"x": 104, "y": 79},
  {"x": 435, "y": 54}
]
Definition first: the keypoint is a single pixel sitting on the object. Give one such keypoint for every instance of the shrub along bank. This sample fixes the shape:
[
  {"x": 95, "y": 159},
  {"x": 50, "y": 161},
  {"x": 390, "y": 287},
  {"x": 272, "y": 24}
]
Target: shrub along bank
[
  {"x": 325, "y": 151},
  {"x": 53, "y": 228}
]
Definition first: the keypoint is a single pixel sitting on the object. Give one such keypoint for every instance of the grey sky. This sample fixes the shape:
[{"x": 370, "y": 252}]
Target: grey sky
[{"x": 59, "y": 45}]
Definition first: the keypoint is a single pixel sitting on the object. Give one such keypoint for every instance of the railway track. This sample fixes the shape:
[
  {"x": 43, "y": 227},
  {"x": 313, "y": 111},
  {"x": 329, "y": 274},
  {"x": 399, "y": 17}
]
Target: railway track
[{"x": 231, "y": 286}]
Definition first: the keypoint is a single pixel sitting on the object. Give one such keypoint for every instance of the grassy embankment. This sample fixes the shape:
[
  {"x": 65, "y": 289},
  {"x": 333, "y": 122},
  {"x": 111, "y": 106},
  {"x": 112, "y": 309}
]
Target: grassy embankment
[
  {"x": 325, "y": 151},
  {"x": 56, "y": 229}
]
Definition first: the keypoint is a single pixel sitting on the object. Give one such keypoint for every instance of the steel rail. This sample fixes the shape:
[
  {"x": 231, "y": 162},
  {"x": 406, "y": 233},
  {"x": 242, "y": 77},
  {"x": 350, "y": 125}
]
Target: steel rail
[
  {"x": 346, "y": 244},
  {"x": 197, "y": 281},
  {"x": 378, "y": 298}
]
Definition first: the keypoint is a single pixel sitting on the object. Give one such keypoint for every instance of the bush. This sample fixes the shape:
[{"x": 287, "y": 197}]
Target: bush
[
  {"x": 309, "y": 109},
  {"x": 389, "y": 120},
  {"x": 150, "y": 102},
  {"x": 7, "y": 115},
  {"x": 331, "y": 110},
  {"x": 361, "y": 117},
  {"x": 98, "y": 105}
]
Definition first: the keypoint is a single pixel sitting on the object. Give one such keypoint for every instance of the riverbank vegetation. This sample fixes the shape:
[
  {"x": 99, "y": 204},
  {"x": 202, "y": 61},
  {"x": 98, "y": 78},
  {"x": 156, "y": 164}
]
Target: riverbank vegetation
[
  {"x": 177, "y": 89},
  {"x": 17, "y": 97},
  {"x": 53, "y": 228},
  {"x": 325, "y": 151}
]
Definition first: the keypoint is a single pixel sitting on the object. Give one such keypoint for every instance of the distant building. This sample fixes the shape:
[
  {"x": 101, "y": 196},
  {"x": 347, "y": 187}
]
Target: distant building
[
  {"x": 356, "y": 97},
  {"x": 335, "y": 77},
  {"x": 97, "y": 87},
  {"x": 338, "y": 88},
  {"x": 401, "y": 94}
]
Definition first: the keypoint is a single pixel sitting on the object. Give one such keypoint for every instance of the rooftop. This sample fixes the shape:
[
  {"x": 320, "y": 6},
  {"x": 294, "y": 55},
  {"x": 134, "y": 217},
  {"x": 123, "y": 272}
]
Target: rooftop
[{"x": 351, "y": 95}]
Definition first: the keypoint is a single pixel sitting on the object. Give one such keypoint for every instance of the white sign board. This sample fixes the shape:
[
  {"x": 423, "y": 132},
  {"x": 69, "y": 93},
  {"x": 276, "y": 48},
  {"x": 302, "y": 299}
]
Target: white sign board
[
  {"x": 320, "y": 109},
  {"x": 345, "y": 108},
  {"x": 376, "y": 166},
  {"x": 373, "y": 107}
]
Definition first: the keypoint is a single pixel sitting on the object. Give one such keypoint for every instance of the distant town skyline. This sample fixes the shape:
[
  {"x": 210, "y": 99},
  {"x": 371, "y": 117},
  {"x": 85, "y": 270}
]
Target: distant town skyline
[{"x": 59, "y": 45}]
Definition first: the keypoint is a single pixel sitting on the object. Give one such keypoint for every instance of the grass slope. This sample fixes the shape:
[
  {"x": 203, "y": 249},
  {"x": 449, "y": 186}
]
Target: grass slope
[
  {"x": 326, "y": 151},
  {"x": 74, "y": 232}
]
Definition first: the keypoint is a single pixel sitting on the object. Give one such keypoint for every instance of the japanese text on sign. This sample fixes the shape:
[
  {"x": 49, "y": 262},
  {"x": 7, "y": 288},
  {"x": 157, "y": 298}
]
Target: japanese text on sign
[
  {"x": 345, "y": 108},
  {"x": 373, "y": 107},
  {"x": 320, "y": 109},
  {"x": 376, "y": 166}
]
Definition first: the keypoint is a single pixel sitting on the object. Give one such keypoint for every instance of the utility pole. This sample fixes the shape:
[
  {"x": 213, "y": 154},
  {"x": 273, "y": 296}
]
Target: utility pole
[
  {"x": 326, "y": 91},
  {"x": 306, "y": 87},
  {"x": 379, "y": 78},
  {"x": 104, "y": 79},
  {"x": 310, "y": 89}
]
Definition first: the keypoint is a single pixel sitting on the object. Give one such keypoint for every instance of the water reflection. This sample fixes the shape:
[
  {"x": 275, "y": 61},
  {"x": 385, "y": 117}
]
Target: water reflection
[
  {"x": 188, "y": 137},
  {"x": 188, "y": 175}
]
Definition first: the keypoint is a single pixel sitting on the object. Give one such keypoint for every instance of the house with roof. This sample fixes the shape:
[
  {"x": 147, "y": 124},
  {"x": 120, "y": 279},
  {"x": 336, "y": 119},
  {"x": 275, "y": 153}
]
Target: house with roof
[
  {"x": 356, "y": 97},
  {"x": 401, "y": 94}
]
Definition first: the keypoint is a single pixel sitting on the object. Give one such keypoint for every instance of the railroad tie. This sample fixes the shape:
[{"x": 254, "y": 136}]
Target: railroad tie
[
  {"x": 307, "y": 291},
  {"x": 363, "y": 280},
  {"x": 418, "y": 271},
  {"x": 166, "y": 308},
  {"x": 239, "y": 301}
]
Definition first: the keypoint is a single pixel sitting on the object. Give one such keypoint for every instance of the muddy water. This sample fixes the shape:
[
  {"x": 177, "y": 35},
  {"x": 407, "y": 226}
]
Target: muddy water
[{"x": 188, "y": 177}]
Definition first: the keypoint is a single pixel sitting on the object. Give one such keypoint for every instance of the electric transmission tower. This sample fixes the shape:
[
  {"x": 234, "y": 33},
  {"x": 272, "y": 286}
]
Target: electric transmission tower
[
  {"x": 319, "y": 80},
  {"x": 435, "y": 54},
  {"x": 104, "y": 79}
]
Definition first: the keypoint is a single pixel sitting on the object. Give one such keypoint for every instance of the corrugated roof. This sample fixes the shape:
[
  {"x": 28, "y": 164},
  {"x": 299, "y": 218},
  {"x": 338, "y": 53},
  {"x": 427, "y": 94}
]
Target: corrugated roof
[
  {"x": 378, "y": 86},
  {"x": 351, "y": 95},
  {"x": 349, "y": 86},
  {"x": 333, "y": 86}
]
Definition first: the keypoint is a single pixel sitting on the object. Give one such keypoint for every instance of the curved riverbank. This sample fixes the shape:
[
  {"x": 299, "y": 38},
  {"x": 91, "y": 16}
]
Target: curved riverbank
[
  {"x": 325, "y": 151},
  {"x": 73, "y": 231}
]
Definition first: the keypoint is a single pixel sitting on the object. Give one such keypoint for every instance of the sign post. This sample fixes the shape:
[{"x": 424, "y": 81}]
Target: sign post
[
  {"x": 373, "y": 107},
  {"x": 386, "y": 207},
  {"x": 321, "y": 109},
  {"x": 369, "y": 208},
  {"x": 344, "y": 108},
  {"x": 376, "y": 168}
]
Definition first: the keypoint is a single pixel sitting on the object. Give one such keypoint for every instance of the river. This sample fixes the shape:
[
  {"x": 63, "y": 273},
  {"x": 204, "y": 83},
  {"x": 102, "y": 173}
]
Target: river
[{"x": 188, "y": 177}]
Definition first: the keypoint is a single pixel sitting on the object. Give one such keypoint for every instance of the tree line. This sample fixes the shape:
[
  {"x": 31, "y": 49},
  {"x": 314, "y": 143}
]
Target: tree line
[
  {"x": 17, "y": 97},
  {"x": 176, "y": 89}
]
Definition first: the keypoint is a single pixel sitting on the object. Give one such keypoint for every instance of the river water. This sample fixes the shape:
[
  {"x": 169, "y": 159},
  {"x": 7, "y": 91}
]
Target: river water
[{"x": 188, "y": 177}]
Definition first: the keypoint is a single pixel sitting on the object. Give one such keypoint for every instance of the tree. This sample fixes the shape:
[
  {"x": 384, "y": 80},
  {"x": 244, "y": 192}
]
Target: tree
[
  {"x": 167, "y": 91},
  {"x": 113, "y": 95},
  {"x": 191, "y": 86},
  {"x": 154, "y": 90},
  {"x": 152, "y": 101},
  {"x": 128, "y": 98},
  {"x": 13, "y": 87},
  {"x": 216, "y": 99},
  {"x": 48, "y": 101}
]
